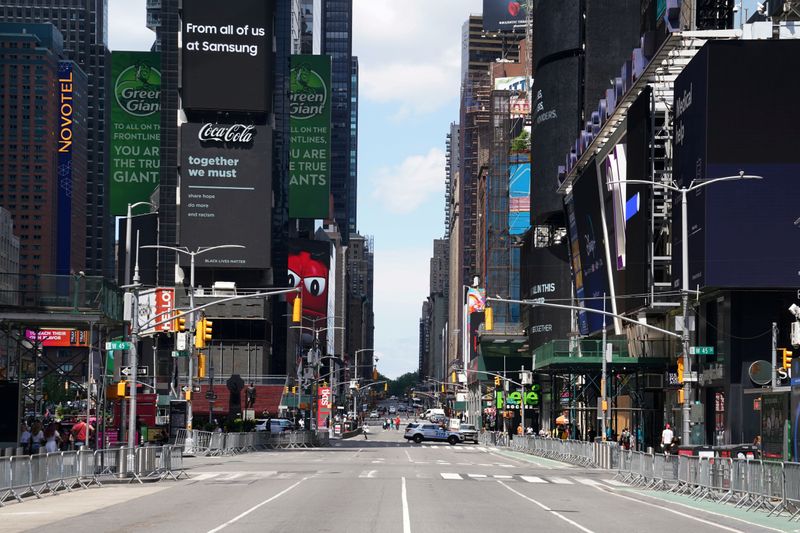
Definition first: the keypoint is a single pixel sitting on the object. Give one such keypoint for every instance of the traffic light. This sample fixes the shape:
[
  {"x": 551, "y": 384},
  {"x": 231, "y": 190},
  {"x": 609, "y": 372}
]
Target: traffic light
[
  {"x": 187, "y": 395},
  {"x": 374, "y": 374},
  {"x": 286, "y": 390},
  {"x": 787, "y": 358},
  {"x": 385, "y": 387},
  {"x": 680, "y": 369},
  {"x": 488, "y": 318},
  {"x": 201, "y": 365},
  {"x": 497, "y": 381},
  {"x": 294, "y": 390},
  {"x": 180, "y": 324},
  {"x": 121, "y": 389},
  {"x": 297, "y": 310},
  {"x": 203, "y": 333}
]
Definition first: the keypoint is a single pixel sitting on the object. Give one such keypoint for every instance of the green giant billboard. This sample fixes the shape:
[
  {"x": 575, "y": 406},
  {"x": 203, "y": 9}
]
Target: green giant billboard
[
  {"x": 135, "y": 127},
  {"x": 309, "y": 161}
]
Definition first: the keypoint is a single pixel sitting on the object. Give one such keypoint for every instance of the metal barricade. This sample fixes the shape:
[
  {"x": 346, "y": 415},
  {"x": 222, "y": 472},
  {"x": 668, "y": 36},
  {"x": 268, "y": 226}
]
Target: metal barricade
[
  {"x": 216, "y": 444},
  {"x": 146, "y": 463},
  {"x": 791, "y": 488},
  {"x": 20, "y": 475},
  {"x": 38, "y": 474}
]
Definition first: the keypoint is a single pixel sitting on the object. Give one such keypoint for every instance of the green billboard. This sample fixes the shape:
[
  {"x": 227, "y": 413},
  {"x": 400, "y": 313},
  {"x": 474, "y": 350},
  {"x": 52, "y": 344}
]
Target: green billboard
[
  {"x": 135, "y": 128},
  {"x": 309, "y": 160}
]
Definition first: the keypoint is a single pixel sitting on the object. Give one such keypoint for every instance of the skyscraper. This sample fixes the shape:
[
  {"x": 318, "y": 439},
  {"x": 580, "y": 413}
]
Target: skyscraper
[{"x": 84, "y": 27}]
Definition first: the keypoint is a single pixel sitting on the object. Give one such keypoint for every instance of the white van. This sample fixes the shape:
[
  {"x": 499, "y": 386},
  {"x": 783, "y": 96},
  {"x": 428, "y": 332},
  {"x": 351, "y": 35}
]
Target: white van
[{"x": 430, "y": 412}]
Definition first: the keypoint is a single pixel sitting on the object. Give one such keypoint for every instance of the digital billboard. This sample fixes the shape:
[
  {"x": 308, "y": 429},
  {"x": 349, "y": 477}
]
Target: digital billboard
[
  {"x": 557, "y": 27},
  {"x": 503, "y": 15},
  {"x": 309, "y": 268},
  {"x": 546, "y": 275},
  {"x": 135, "y": 161},
  {"x": 226, "y": 192},
  {"x": 556, "y": 113},
  {"x": 60, "y": 338},
  {"x": 591, "y": 245},
  {"x": 519, "y": 192},
  {"x": 227, "y": 55},
  {"x": 310, "y": 140},
  {"x": 738, "y": 228}
]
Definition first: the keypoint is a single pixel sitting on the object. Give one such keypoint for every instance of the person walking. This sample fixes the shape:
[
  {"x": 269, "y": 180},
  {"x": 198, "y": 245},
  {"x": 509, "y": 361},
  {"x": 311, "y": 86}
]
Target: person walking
[
  {"x": 80, "y": 434},
  {"x": 25, "y": 438},
  {"x": 52, "y": 438},
  {"x": 666, "y": 438},
  {"x": 365, "y": 431},
  {"x": 397, "y": 422},
  {"x": 37, "y": 437}
]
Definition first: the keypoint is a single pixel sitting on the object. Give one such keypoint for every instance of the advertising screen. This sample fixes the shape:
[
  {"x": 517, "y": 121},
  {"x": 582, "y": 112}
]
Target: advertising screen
[
  {"x": 774, "y": 416},
  {"x": 503, "y": 15},
  {"x": 61, "y": 338},
  {"x": 738, "y": 227},
  {"x": 519, "y": 191},
  {"x": 557, "y": 27},
  {"x": 546, "y": 275},
  {"x": 227, "y": 55},
  {"x": 310, "y": 120},
  {"x": 135, "y": 128},
  {"x": 556, "y": 112},
  {"x": 226, "y": 192},
  {"x": 309, "y": 268},
  {"x": 591, "y": 244}
]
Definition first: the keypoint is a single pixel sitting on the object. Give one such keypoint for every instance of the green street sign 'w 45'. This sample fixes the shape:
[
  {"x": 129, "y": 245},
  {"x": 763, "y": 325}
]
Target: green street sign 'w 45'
[
  {"x": 701, "y": 350},
  {"x": 118, "y": 345}
]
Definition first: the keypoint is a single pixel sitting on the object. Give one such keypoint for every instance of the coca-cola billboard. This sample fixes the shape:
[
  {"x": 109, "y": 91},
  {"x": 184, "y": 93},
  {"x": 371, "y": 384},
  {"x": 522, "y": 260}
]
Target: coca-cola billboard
[{"x": 226, "y": 192}]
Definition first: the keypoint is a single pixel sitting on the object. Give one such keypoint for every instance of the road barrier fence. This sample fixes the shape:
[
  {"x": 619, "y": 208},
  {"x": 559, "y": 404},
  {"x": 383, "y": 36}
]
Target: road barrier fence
[{"x": 747, "y": 483}]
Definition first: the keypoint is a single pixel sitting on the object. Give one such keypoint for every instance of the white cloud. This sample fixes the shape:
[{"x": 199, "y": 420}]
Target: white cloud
[
  {"x": 401, "y": 283},
  {"x": 127, "y": 25},
  {"x": 403, "y": 188},
  {"x": 410, "y": 52}
]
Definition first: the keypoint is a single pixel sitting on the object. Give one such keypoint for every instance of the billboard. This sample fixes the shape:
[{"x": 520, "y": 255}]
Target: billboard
[
  {"x": 546, "y": 275},
  {"x": 774, "y": 421},
  {"x": 588, "y": 222},
  {"x": 557, "y": 27},
  {"x": 154, "y": 307},
  {"x": 737, "y": 228},
  {"x": 135, "y": 128},
  {"x": 324, "y": 406},
  {"x": 309, "y": 267},
  {"x": 503, "y": 15},
  {"x": 227, "y": 55},
  {"x": 519, "y": 192},
  {"x": 310, "y": 140},
  {"x": 61, "y": 338},
  {"x": 226, "y": 192}
]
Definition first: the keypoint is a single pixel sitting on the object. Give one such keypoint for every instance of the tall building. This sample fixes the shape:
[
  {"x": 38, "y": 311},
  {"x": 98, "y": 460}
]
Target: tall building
[
  {"x": 352, "y": 192},
  {"x": 43, "y": 149},
  {"x": 84, "y": 27},
  {"x": 440, "y": 266},
  {"x": 360, "y": 314},
  {"x": 336, "y": 36},
  {"x": 9, "y": 260}
]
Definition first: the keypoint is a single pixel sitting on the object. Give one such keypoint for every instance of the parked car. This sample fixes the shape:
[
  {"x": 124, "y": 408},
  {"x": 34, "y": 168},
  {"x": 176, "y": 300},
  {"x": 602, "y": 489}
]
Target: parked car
[
  {"x": 279, "y": 425},
  {"x": 432, "y": 432},
  {"x": 374, "y": 414},
  {"x": 261, "y": 424},
  {"x": 429, "y": 412},
  {"x": 469, "y": 433}
]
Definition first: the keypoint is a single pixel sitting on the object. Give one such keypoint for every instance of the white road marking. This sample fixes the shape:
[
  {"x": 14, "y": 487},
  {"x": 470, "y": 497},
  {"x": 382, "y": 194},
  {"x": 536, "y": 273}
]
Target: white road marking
[
  {"x": 449, "y": 475},
  {"x": 476, "y": 475},
  {"x": 406, "y": 518},
  {"x": 502, "y": 476},
  {"x": 409, "y": 456},
  {"x": 505, "y": 466},
  {"x": 587, "y": 481},
  {"x": 615, "y": 483},
  {"x": 483, "y": 464},
  {"x": 442, "y": 463},
  {"x": 239, "y": 517},
  {"x": 560, "y": 481},
  {"x": 368, "y": 474},
  {"x": 533, "y": 479},
  {"x": 546, "y": 508},
  {"x": 232, "y": 476},
  {"x": 673, "y": 511},
  {"x": 205, "y": 475}
]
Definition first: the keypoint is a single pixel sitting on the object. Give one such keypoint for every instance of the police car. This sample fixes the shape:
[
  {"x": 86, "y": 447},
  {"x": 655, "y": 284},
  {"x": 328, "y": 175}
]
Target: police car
[{"x": 421, "y": 432}]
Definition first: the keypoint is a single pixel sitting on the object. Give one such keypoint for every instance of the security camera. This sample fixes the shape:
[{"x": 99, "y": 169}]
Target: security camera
[{"x": 795, "y": 310}]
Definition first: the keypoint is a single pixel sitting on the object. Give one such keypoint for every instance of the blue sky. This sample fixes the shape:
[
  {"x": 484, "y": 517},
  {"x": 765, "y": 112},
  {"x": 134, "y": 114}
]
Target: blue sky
[{"x": 410, "y": 61}]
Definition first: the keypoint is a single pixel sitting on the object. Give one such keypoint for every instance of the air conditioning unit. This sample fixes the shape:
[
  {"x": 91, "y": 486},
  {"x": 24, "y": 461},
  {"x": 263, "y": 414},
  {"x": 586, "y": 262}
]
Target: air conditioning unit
[{"x": 654, "y": 381}]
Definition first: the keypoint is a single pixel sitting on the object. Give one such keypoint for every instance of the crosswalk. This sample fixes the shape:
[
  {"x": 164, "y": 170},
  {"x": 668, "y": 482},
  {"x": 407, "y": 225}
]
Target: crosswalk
[
  {"x": 238, "y": 477},
  {"x": 544, "y": 480},
  {"x": 456, "y": 448}
]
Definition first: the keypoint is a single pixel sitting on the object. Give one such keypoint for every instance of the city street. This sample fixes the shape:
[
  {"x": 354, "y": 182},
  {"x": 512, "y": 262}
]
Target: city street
[{"x": 381, "y": 484}]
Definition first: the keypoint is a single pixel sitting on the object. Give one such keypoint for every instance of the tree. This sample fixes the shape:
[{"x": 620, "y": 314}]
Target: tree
[{"x": 521, "y": 143}]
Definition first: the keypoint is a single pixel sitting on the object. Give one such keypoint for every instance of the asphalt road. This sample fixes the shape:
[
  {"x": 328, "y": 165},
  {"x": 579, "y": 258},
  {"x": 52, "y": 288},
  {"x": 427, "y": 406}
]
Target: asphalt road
[{"x": 381, "y": 484}]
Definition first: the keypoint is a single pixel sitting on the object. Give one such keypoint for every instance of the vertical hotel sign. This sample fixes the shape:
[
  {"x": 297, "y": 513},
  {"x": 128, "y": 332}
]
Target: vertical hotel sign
[
  {"x": 66, "y": 123},
  {"x": 135, "y": 128},
  {"x": 309, "y": 160}
]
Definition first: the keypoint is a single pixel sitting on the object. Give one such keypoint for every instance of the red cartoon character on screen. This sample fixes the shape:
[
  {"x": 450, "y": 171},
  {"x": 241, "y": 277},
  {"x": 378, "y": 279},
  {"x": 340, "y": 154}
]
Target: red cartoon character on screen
[{"x": 313, "y": 276}]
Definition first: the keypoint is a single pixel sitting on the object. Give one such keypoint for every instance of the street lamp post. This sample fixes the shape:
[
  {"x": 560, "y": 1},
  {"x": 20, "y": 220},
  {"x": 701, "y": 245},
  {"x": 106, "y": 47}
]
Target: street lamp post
[
  {"x": 192, "y": 319},
  {"x": 683, "y": 191}
]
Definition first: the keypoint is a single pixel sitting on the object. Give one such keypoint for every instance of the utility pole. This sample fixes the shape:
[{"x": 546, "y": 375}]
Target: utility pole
[
  {"x": 134, "y": 345},
  {"x": 603, "y": 400},
  {"x": 774, "y": 381}
]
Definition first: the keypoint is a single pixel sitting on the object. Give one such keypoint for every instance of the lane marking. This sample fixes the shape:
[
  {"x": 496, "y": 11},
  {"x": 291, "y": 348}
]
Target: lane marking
[
  {"x": 615, "y": 483},
  {"x": 406, "y": 518},
  {"x": 673, "y": 511},
  {"x": 502, "y": 476},
  {"x": 546, "y": 508},
  {"x": 477, "y": 475},
  {"x": 409, "y": 456},
  {"x": 587, "y": 481},
  {"x": 370, "y": 474},
  {"x": 505, "y": 466},
  {"x": 255, "y": 507},
  {"x": 533, "y": 479},
  {"x": 560, "y": 481},
  {"x": 450, "y": 475}
]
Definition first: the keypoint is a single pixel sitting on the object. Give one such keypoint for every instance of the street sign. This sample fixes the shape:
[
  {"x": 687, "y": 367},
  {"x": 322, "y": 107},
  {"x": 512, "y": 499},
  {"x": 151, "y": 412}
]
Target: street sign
[
  {"x": 118, "y": 345},
  {"x": 140, "y": 371},
  {"x": 176, "y": 353},
  {"x": 701, "y": 350},
  {"x": 185, "y": 388},
  {"x": 210, "y": 396},
  {"x": 180, "y": 342}
]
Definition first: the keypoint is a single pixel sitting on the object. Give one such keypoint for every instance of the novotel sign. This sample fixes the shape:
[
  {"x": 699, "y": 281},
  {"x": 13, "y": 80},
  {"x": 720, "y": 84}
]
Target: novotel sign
[
  {"x": 229, "y": 134},
  {"x": 513, "y": 400}
]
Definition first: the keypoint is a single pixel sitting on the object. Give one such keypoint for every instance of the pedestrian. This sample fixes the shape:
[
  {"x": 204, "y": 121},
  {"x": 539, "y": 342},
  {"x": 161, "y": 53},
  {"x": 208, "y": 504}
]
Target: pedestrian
[
  {"x": 592, "y": 434},
  {"x": 52, "y": 438},
  {"x": 520, "y": 431},
  {"x": 37, "y": 437},
  {"x": 666, "y": 438},
  {"x": 81, "y": 434},
  {"x": 365, "y": 431},
  {"x": 397, "y": 422},
  {"x": 25, "y": 438}
]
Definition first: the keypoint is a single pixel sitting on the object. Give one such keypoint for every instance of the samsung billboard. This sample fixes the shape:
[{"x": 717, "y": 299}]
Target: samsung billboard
[
  {"x": 226, "y": 55},
  {"x": 226, "y": 192},
  {"x": 726, "y": 121}
]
